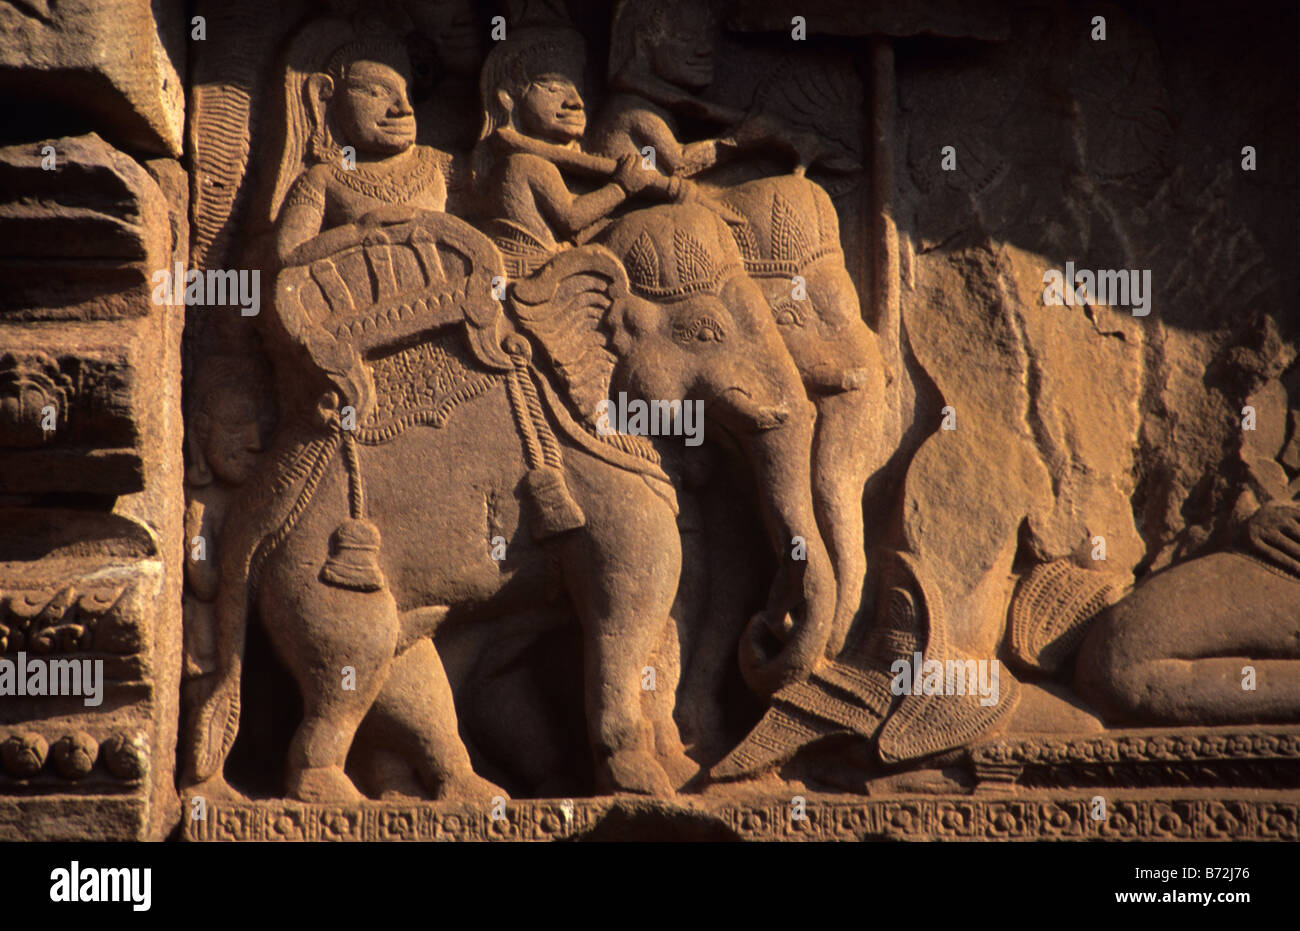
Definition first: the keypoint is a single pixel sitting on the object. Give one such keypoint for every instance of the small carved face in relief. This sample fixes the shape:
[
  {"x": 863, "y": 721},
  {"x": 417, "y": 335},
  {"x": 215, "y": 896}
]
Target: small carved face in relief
[
  {"x": 683, "y": 54},
  {"x": 551, "y": 108},
  {"x": 231, "y": 433},
  {"x": 450, "y": 25},
  {"x": 373, "y": 110}
]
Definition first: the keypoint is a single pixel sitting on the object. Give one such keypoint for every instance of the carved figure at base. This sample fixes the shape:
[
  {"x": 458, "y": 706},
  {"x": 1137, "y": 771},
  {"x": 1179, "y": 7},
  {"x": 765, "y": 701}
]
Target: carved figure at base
[
  {"x": 1215, "y": 639},
  {"x": 229, "y": 427}
]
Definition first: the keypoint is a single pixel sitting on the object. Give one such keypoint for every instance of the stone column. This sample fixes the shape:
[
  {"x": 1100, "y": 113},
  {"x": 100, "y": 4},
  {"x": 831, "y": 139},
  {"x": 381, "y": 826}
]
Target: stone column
[{"x": 92, "y": 206}]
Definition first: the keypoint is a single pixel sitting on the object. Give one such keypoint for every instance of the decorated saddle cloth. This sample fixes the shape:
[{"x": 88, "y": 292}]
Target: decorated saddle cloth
[
  {"x": 417, "y": 302},
  {"x": 384, "y": 288},
  {"x": 523, "y": 252},
  {"x": 422, "y": 385},
  {"x": 415, "y": 299}
]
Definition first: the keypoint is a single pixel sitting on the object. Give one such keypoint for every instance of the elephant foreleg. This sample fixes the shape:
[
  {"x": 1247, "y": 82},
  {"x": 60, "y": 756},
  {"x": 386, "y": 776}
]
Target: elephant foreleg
[
  {"x": 622, "y": 573},
  {"x": 659, "y": 701},
  {"x": 725, "y": 568},
  {"x": 339, "y": 646}
]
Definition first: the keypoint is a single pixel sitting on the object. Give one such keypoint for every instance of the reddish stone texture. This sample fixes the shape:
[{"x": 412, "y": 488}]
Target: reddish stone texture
[{"x": 663, "y": 420}]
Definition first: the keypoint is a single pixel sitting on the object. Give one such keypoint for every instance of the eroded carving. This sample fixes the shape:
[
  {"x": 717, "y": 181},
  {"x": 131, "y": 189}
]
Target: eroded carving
[
  {"x": 402, "y": 334},
  {"x": 695, "y": 425}
]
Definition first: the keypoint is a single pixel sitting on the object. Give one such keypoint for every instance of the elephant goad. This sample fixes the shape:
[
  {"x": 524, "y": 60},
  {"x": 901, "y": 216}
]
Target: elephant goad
[{"x": 472, "y": 485}]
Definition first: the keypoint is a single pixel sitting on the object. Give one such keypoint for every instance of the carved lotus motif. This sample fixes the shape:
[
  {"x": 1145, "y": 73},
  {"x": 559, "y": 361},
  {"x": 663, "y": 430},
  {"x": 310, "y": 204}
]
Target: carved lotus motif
[
  {"x": 75, "y": 755},
  {"x": 126, "y": 757},
  {"x": 453, "y": 825},
  {"x": 288, "y": 826},
  {"x": 398, "y": 824},
  {"x": 956, "y": 819},
  {"x": 1162, "y": 748},
  {"x": 338, "y": 825},
  {"x": 1123, "y": 821},
  {"x": 34, "y": 398},
  {"x": 1280, "y": 821},
  {"x": 1168, "y": 822},
  {"x": 1107, "y": 752},
  {"x": 232, "y": 825},
  {"x": 1056, "y": 751},
  {"x": 1239, "y": 745},
  {"x": 1006, "y": 821},
  {"x": 1214, "y": 745}
]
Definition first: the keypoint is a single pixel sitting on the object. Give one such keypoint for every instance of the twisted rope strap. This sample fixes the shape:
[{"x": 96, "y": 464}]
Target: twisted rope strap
[{"x": 553, "y": 509}]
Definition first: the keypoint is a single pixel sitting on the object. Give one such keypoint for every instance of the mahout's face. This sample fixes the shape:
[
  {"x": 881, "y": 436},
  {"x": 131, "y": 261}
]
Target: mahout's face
[{"x": 551, "y": 108}]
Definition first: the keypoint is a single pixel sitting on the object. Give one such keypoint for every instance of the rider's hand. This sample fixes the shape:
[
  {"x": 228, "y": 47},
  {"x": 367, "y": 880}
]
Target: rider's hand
[
  {"x": 1273, "y": 532},
  {"x": 630, "y": 176}
]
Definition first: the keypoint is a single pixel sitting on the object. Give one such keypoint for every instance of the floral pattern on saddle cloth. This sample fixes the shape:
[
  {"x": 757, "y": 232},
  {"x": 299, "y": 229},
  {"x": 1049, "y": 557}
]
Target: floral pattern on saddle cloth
[{"x": 422, "y": 384}]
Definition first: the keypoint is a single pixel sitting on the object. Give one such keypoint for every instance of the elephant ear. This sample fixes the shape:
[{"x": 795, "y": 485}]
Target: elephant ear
[{"x": 572, "y": 308}]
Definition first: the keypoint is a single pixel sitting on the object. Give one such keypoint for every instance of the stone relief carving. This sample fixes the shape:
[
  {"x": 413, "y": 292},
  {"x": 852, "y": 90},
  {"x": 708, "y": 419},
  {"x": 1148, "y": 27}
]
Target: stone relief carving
[{"x": 621, "y": 419}]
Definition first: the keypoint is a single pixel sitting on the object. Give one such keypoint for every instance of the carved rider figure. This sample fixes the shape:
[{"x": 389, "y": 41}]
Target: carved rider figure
[
  {"x": 534, "y": 120},
  {"x": 350, "y": 157},
  {"x": 661, "y": 58}
]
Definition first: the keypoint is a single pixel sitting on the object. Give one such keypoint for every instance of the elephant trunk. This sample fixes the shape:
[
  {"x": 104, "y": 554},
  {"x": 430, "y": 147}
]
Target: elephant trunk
[{"x": 784, "y": 641}]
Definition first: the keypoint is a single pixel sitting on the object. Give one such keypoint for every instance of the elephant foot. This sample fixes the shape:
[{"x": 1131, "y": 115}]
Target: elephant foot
[
  {"x": 680, "y": 768},
  {"x": 215, "y": 788},
  {"x": 470, "y": 788},
  {"x": 323, "y": 784},
  {"x": 633, "y": 771},
  {"x": 705, "y": 737}
]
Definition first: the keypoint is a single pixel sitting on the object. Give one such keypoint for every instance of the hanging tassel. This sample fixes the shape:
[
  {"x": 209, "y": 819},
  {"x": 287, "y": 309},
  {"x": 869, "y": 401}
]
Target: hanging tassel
[
  {"x": 553, "y": 508},
  {"x": 354, "y": 546},
  {"x": 354, "y": 557}
]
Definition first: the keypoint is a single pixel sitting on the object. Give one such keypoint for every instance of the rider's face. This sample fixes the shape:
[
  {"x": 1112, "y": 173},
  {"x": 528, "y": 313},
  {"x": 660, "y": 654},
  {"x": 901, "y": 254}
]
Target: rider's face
[
  {"x": 551, "y": 108},
  {"x": 374, "y": 112}
]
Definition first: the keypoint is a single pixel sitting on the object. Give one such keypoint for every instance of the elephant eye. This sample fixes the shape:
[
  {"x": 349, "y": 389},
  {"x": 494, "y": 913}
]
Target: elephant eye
[
  {"x": 787, "y": 314},
  {"x": 701, "y": 329}
]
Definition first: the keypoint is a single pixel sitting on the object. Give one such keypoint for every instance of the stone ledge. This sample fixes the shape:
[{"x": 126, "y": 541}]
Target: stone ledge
[
  {"x": 74, "y": 818},
  {"x": 1131, "y": 815},
  {"x": 1207, "y": 756}
]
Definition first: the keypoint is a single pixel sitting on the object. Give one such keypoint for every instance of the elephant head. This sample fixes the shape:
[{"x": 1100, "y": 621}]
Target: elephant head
[
  {"x": 663, "y": 310},
  {"x": 790, "y": 244}
]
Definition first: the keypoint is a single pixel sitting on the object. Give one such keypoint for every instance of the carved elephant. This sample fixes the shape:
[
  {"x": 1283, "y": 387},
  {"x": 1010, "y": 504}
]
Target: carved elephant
[
  {"x": 474, "y": 486},
  {"x": 790, "y": 244},
  {"x": 787, "y": 233}
]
